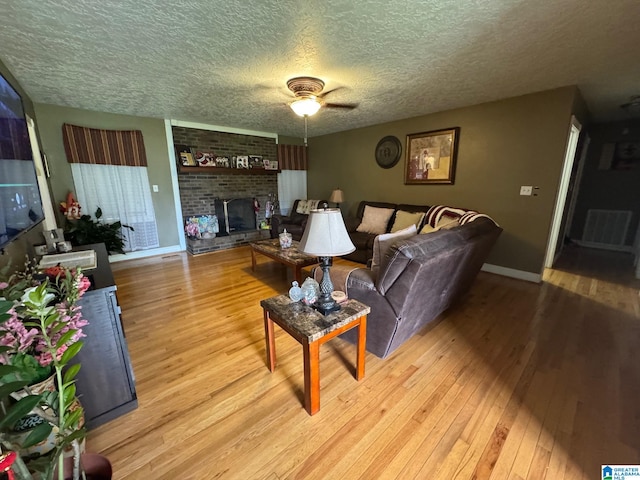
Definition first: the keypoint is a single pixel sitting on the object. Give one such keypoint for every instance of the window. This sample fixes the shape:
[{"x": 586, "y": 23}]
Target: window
[{"x": 123, "y": 194}]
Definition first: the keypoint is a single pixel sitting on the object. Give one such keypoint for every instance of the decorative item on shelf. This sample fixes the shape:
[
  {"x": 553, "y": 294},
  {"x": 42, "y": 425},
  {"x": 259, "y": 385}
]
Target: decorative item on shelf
[
  {"x": 222, "y": 162},
  {"x": 185, "y": 156},
  {"x": 204, "y": 159},
  {"x": 286, "y": 239},
  {"x": 325, "y": 236},
  {"x": 337, "y": 197},
  {"x": 271, "y": 164},
  {"x": 295, "y": 292},
  {"x": 310, "y": 291},
  {"x": 255, "y": 161},
  {"x": 242, "y": 161}
]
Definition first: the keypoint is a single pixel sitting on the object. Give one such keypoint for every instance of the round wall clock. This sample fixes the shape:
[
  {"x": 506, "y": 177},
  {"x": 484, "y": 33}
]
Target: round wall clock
[{"x": 388, "y": 151}]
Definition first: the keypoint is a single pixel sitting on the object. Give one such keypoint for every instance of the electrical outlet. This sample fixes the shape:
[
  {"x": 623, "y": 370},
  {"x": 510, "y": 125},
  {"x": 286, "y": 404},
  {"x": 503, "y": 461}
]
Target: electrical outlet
[
  {"x": 526, "y": 190},
  {"x": 155, "y": 188}
]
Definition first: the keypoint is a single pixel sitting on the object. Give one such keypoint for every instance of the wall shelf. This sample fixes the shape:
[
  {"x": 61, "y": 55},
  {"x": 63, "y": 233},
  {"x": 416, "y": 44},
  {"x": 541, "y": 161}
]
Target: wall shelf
[{"x": 226, "y": 171}]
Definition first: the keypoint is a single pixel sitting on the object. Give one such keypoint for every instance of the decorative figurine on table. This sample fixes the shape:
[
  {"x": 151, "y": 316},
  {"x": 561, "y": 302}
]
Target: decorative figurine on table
[
  {"x": 295, "y": 292},
  {"x": 286, "y": 239},
  {"x": 310, "y": 291},
  {"x": 71, "y": 208}
]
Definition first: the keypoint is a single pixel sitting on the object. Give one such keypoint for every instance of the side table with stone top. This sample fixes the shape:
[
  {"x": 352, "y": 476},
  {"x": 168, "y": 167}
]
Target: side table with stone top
[
  {"x": 291, "y": 257},
  {"x": 311, "y": 329}
]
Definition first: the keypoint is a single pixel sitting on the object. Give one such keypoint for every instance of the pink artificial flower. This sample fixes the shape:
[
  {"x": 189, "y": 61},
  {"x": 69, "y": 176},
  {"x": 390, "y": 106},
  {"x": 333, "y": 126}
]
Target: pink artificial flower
[
  {"x": 3, "y": 285},
  {"x": 83, "y": 284},
  {"x": 16, "y": 334}
]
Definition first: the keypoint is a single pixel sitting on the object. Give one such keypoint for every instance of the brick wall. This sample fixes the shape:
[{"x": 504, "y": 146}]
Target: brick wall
[
  {"x": 199, "y": 190},
  {"x": 225, "y": 144}
]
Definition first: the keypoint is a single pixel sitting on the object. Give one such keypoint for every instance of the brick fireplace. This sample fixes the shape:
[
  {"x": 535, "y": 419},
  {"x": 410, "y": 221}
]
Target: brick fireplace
[{"x": 203, "y": 191}]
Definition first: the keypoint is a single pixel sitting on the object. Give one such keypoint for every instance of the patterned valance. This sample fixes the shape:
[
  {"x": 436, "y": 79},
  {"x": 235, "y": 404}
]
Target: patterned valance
[
  {"x": 292, "y": 157},
  {"x": 104, "y": 147}
]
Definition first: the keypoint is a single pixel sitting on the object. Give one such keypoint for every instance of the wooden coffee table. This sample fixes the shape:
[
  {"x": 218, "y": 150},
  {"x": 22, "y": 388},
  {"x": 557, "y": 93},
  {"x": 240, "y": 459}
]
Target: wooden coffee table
[
  {"x": 291, "y": 257},
  {"x": 311, "y": 329}
]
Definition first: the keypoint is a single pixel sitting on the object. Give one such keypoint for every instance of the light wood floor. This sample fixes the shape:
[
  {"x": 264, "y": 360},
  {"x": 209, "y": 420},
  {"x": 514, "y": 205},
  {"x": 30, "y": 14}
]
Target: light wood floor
[{"x": 516, "y": 381}]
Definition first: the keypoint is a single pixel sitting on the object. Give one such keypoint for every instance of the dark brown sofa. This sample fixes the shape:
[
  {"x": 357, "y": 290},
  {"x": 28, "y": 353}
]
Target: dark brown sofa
[
  {"x": 364, "y": 241},
  {"x": 294, "y": 223},
  {"x": 418, "y": 279}
]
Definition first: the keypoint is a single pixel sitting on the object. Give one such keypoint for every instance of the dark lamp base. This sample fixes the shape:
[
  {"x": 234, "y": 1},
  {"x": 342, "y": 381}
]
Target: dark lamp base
[
  {"x": 325, "y": 303},
  {"x": 326, "y": 307}
]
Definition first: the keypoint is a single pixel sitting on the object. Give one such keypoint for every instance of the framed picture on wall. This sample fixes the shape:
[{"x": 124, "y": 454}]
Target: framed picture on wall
[{"x": 431, "y": 157}]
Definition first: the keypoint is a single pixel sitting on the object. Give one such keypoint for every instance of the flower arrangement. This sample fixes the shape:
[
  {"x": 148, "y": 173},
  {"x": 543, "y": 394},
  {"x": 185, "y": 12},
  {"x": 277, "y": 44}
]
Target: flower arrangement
[
  {"x": 40, "y": 332},
  {"x": 202, "y": 226}
]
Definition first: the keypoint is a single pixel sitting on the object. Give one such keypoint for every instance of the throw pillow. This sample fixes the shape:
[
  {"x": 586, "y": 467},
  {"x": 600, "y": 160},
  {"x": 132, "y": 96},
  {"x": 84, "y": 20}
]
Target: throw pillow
[
  {"x": 406, "y": 219},
  {"x": 303, "y": 206},
  {"x": 375, "y": 220},
  {"x": 382, "y": 244}
]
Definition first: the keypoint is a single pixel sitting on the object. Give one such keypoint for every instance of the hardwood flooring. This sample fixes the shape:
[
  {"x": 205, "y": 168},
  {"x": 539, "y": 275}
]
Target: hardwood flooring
[{"x": 516, "y": 381}]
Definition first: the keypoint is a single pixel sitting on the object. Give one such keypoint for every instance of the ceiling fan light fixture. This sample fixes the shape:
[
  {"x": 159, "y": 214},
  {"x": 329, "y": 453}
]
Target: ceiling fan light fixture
[{"x": 305, "y": 107}]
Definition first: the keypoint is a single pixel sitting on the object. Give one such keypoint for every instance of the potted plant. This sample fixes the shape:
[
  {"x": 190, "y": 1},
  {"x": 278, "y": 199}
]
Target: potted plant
[
  {"x": 84, "y": 230},
  {"x": 40, "y": 331}
]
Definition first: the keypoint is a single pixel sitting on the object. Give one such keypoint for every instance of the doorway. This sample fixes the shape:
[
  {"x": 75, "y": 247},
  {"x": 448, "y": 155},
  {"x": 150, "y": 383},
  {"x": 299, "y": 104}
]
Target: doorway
[{"x": 554, "y": 245}]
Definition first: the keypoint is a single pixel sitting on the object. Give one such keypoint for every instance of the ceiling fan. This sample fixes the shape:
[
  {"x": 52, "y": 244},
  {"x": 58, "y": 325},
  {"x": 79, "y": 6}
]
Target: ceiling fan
[{"x": 308, "y": 93}]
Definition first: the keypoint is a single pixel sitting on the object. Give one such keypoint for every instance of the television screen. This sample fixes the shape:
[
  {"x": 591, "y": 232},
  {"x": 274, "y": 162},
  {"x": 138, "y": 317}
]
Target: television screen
[{"x": 20, "y": 201}]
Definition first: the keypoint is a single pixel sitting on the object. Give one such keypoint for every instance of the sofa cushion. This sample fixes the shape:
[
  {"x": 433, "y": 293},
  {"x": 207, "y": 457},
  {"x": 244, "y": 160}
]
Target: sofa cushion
[
  {"x": 406, "y": 219},
  {"x": 383, "y": 243},
  {"x": 305, "y": 206},
  {"x": 375, "y": 220}
]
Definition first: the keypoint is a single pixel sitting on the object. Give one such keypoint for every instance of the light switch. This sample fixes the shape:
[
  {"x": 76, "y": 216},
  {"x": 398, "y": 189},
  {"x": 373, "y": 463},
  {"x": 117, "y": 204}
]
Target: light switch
[
  {"x": 526, "y": 190},
  {"x": 155, "y": 188}
]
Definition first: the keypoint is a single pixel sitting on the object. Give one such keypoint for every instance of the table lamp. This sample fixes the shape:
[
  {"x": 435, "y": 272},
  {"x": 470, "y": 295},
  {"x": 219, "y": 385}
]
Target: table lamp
[
  {"x": 326, "y": 236},
  {"x": 337, "y": 197}
]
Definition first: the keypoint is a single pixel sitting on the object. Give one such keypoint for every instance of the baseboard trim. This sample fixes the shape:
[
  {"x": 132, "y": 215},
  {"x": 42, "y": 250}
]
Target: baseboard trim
[
  {"x": 145, "y": 253},
  {"x": 511, "y": 272}
]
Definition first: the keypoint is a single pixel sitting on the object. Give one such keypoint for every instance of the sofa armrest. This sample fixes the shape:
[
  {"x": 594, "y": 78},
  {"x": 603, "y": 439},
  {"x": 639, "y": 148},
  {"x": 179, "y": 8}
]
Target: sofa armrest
[
  {"x": 361, "y": 279},
  {"x": 351, "y": 223}
]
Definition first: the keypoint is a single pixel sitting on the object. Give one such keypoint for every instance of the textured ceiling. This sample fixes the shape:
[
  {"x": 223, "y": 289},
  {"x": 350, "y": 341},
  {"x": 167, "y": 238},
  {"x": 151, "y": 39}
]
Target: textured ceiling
[{"x": 226, "y": 62}]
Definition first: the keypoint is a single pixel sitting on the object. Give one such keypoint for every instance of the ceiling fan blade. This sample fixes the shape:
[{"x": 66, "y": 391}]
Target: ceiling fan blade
[
  {"x": 328, "y": 92},
  {"x": 344, "y": 106}
]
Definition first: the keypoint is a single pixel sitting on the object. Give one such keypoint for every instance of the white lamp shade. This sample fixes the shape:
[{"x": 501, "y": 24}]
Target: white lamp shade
[
  {"x": 337, "y": 196},
  {"x": 305, "y": 106},
  {"x": 326, "y": 235}
]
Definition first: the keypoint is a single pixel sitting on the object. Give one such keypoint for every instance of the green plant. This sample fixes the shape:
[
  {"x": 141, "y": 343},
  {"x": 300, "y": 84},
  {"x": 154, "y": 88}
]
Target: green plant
[
  {"x": 86, "y": 230},
  {"x": 39, "y": 334}
]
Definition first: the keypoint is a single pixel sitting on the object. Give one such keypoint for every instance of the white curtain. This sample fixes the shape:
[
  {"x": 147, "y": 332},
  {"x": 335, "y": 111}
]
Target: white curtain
[
  {"x": 292, "y": 184},
  {"x": 124, "y": 195}
]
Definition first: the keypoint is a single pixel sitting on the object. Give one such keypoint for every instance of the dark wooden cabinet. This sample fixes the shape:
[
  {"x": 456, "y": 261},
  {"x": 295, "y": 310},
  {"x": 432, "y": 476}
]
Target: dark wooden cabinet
[{"x": 105, "y": 383}]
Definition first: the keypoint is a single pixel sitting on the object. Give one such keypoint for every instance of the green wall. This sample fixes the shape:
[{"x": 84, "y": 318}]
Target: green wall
[
  {"x": 50, "y": 119},
  {"x": 503, "y": 145}
]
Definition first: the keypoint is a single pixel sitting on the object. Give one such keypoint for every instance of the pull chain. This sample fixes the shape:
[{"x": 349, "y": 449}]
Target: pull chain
[{"x": 305, "y": 130}]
